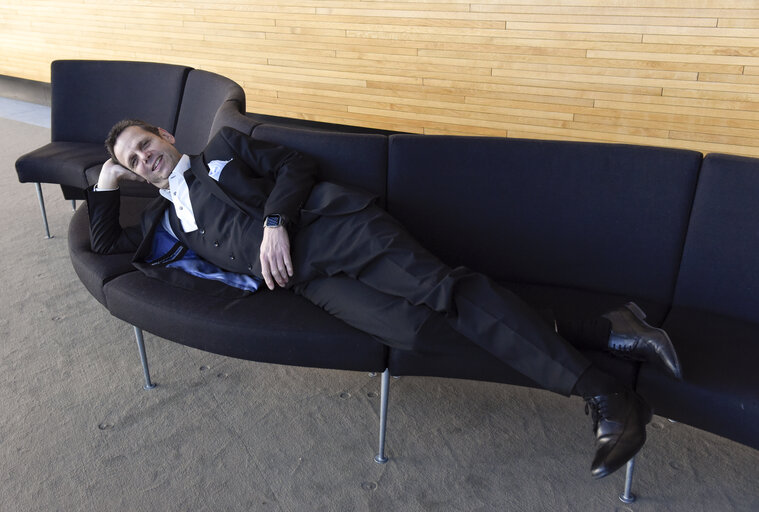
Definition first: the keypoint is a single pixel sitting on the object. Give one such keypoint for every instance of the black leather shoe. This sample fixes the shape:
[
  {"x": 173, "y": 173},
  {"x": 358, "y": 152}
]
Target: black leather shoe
[
  {"x": 619, "y": 422},
  {"x": 631, "y": 337}
]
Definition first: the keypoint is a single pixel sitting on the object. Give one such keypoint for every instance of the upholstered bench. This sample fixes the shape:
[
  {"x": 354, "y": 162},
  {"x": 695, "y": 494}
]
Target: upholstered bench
[{"x": 578, "y": 228}]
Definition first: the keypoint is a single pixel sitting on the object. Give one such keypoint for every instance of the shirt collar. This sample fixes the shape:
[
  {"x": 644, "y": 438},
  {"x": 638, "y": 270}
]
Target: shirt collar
[{"x": 177, "y": 173}]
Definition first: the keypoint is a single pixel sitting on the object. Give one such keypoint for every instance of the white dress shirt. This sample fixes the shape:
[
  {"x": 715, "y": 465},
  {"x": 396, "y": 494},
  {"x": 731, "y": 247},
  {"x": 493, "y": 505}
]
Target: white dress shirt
[{"x": 179, "y": 193}]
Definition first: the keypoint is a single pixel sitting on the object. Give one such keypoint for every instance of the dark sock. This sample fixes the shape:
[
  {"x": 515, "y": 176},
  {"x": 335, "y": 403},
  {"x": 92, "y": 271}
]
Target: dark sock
[
  {"x": 589, "y": 333},
  {"x": 595, "y": 382}
]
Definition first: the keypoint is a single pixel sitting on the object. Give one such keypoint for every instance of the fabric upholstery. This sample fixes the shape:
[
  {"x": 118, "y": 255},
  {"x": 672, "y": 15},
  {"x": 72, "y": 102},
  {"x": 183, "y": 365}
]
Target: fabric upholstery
[
  {"x": 307, "y": 124},
  {"x": 94, "y": 270},
  {"x": 64, "y": 163},
  {"x": 204, "y": 94},
  {"x": 719, "y": 270},
  {"x": 603, "y": 217},
  {"x": 229, "y": 115},
  {"x": 277, "y": 327},
  {"x": 719, "y": 391},
  {"x": 88, "y": 97},
  {"x": 714, "y": 322},
  {"x": 357, "y": 160}
]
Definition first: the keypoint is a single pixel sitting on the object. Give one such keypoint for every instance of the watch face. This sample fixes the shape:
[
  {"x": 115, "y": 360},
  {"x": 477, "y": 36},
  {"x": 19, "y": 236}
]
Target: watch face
[{"x": 272, "y": 221}]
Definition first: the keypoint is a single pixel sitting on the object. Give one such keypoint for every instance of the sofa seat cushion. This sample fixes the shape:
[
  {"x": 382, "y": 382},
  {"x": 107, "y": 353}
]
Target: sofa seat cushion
[
  {"x": 64, "y": 163},
  {"x": 267, "y": 326},
  {"x": 455, "y": 356},
  {"x": 94, "y": 270},
  {"x": 720, "y": 388}
]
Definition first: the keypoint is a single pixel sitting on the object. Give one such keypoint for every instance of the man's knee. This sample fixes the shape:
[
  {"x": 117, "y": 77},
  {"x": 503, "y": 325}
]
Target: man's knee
[{"x": 434, "y": 334}]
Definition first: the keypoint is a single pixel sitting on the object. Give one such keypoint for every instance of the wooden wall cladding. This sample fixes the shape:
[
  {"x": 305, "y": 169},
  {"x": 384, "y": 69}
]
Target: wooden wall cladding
[{"x": 677, "y": 73}]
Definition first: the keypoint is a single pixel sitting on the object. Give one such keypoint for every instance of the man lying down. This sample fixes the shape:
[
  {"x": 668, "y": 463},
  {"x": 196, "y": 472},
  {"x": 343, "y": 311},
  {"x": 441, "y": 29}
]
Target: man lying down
[{"x": 250, "y": 214}]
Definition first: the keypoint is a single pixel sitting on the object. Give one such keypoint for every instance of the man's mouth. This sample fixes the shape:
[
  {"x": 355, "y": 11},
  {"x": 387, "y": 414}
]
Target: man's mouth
[{"x": 157, "y": 162}]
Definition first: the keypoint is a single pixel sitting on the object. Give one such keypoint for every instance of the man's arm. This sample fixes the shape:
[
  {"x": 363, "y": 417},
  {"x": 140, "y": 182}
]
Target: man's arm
[
  {"x": 293, "y": 176},
  {"x": 103, "y": 203}
]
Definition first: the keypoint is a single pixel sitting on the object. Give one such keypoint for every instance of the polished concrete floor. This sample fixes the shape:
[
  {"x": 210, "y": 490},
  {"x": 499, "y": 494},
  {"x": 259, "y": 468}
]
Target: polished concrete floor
[
  {"x": 78, "y": 432},
  {"x": 25, "y": 112}
]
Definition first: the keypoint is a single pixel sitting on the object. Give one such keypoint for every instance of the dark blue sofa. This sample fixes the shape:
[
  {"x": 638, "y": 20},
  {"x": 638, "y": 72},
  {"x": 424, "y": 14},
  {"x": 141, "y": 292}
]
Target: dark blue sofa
[{"x": 579, "y": 228}]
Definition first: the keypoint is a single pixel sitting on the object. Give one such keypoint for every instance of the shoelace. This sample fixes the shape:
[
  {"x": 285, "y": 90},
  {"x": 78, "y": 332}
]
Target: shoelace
[
  {"x": 623, "y": 347},
  {"x": 593, "y": 407}
]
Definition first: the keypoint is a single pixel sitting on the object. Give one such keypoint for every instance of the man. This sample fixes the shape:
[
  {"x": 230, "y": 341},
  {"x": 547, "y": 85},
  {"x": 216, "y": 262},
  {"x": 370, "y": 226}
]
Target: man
[{"x": 253, "y": 212}]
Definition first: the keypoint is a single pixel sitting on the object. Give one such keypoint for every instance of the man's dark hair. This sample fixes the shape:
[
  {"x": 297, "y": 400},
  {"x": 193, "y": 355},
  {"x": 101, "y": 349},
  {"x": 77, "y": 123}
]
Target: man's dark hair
[{"x": 119, "y": 127}]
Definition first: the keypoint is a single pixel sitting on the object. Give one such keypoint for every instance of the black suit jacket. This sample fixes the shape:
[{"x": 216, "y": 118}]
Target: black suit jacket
[{"x": 260, "y": 179}]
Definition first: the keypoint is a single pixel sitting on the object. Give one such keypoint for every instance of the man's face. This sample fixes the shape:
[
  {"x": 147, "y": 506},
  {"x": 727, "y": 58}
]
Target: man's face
[{"x": 148, "y": 155}]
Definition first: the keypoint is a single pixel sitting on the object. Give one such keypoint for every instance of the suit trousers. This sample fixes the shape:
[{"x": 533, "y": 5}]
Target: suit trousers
[{"x": 367, "y": 270}]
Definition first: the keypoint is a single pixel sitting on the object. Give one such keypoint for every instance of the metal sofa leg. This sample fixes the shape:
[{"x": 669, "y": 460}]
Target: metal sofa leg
[
  {"x": 73, "y": 205},
  {"x": 628, "y": 496},
  {"x": 42, "y": 207},
  {"x": 381, "y": 458},
  {"x": 143, "y": 357}
]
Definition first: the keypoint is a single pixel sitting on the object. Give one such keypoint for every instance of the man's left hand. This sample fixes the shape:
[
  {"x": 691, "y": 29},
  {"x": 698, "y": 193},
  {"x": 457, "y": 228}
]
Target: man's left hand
[{"x": 276, "y": 264}]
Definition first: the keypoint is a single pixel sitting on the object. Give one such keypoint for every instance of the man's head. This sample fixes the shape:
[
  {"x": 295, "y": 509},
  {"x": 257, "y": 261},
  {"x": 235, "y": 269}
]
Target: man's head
[{"x": 144, "y": 149}]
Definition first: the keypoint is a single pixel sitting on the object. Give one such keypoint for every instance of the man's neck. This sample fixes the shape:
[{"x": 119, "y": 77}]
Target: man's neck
[{"x": 182, "y": 166}]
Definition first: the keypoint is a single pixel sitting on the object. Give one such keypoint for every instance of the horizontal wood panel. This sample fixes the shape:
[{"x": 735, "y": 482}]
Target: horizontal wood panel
[{"x": 680, "y": 73}]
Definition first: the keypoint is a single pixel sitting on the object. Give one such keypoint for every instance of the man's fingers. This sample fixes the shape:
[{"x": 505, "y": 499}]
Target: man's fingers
[
  {"x": 274, "y": 272},
  {"x": 276, "y": 263},
  {"x": 266, "y": 272},
  {"x": 280, "y": 275}
]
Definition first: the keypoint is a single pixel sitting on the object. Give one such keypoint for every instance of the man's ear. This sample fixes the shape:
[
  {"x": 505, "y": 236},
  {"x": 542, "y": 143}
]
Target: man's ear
[{"x": 166, "y": 136}]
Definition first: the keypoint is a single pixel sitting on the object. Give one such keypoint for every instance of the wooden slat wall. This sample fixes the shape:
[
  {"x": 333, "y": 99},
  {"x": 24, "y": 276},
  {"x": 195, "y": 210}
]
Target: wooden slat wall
[{"x": 678, "y": 73}]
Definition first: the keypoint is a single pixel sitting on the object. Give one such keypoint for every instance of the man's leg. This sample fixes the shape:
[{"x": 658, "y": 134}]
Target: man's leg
[
  {"x": 392, "y": 320},
  {"x": 373, "y": 248}
]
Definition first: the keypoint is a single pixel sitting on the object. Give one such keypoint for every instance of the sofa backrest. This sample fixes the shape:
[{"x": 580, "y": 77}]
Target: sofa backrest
[
  {"x": 357, "y": 160},
  {"x": 88, "y": 97},
  {"x": 203, "y": 97},
  {"x": 602, "y": 217},
  {"x": 720, "y": 267}
]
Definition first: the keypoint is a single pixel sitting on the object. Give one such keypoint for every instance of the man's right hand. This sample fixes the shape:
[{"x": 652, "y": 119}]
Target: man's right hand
[
  {"x": 276, "y": 262},
  {"x": 112, "y": 173}
]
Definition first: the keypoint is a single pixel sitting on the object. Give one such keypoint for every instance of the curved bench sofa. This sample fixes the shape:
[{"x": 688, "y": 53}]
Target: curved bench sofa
[{"x": 576, "y": 227}]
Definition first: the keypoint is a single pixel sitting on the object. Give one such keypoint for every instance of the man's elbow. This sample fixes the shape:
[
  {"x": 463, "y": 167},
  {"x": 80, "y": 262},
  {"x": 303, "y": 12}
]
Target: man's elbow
[{"x": 99, "y": 248}]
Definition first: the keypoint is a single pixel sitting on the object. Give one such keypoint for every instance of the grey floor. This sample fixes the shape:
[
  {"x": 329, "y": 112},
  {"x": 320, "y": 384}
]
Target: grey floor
[
  {"x": 78, "y": 432},
  {"x": 25, "y": 112}
]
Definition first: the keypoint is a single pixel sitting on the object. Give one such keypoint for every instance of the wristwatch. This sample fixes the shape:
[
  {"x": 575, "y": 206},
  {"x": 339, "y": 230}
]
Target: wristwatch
[{"x": 274, "y": 221}]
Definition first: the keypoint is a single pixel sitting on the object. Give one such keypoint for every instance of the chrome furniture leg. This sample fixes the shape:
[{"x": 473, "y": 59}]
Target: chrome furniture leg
[
  {"x": 381, "y": 458},
  {"x": 143, "y": 357},
  {"x": 73, "y": 205},
  {"x": 42, "y": 207},
  {"x": 628, "y": 496}
]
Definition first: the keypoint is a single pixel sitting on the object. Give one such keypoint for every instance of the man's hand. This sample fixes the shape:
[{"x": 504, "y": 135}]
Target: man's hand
[
  {"x": 112, "y": 173},
  {"x": 276, "y": 265}
]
